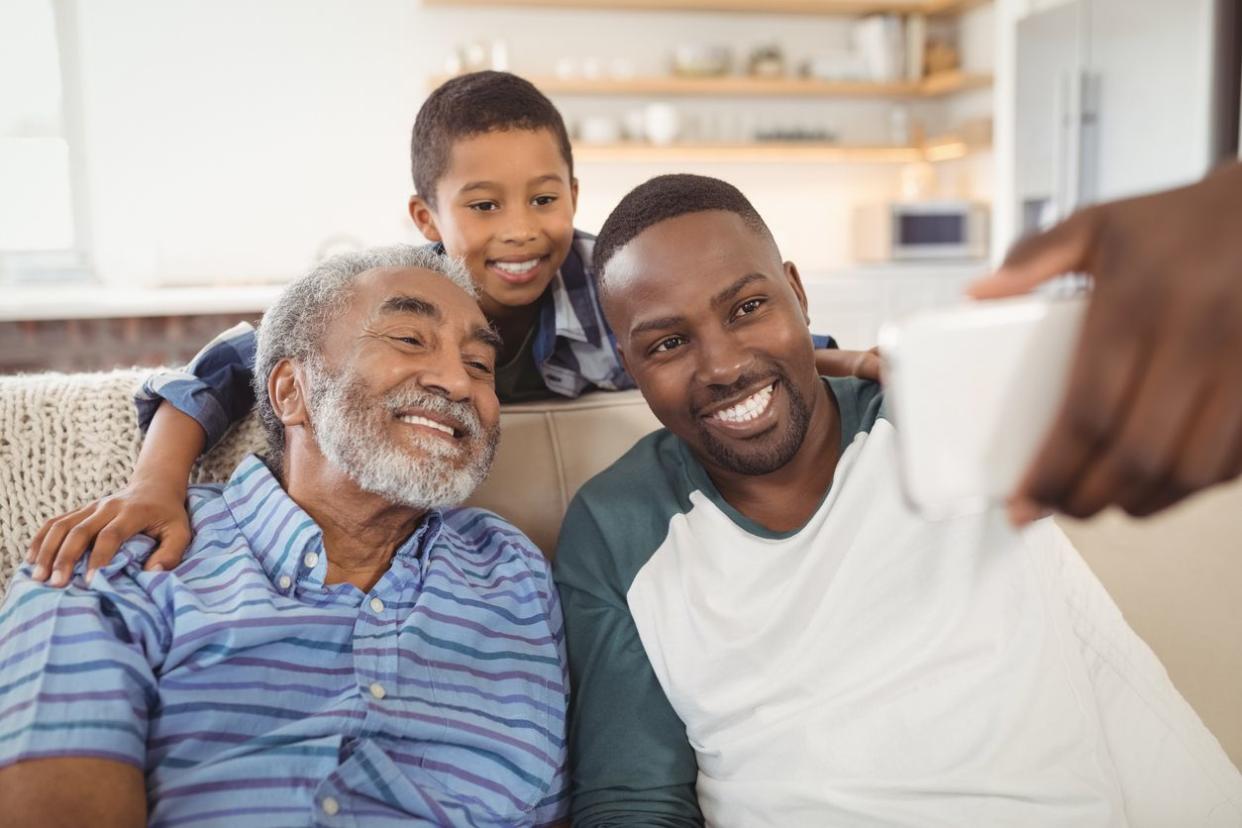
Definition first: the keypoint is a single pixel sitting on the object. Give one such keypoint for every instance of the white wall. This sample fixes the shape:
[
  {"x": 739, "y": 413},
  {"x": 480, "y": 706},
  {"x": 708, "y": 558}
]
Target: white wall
[
  {"x": 229, "y": 140},
  {"x": 232, "y": 141}
]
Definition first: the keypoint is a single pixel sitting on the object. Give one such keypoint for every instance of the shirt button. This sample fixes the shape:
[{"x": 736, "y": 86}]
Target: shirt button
[
  {"x": 310, "y": 560},
  {"x": 377, "y": 690},
  {"x": 330, "y": 806},
  {"x": 377, "y": 605},
  {"x": 285, "y": 582}
]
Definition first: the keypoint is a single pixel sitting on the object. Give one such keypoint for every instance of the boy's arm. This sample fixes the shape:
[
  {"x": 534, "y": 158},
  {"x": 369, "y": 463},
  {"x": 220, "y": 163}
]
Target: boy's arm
[
  {"x": 153, "y": 503},
  {"x": 631, "y": 763},
  {"x": 71, "y": 792},
  {"x": 184, "y": 413},
  {"x": 215, "y": 388}
]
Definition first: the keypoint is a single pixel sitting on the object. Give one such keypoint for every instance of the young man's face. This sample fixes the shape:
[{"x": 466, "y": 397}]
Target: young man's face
[
  {"x": 505, "y": 205},
  {"x": 713, "y": 328}
]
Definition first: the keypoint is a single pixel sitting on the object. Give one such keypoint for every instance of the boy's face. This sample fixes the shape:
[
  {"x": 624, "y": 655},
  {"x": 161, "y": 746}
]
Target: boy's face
[
  {"x": 712, "y": 326},
  {"x": 505, "y": 206}
]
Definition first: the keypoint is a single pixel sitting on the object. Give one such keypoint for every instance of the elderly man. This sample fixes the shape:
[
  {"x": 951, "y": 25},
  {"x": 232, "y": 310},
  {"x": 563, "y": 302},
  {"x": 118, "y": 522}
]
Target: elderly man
[{"x": 336, "y": 648}]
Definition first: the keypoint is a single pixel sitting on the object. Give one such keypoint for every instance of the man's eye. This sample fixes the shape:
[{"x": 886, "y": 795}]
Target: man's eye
[
  {"x": 668, "y": 344},
  {"x": 481, "y": 367},
  {"x": 748, "y": 307},
  {"x": 543, "y": 200},
  {"x": 409, "y": 340},
  {"x": 484, "y": 206}
]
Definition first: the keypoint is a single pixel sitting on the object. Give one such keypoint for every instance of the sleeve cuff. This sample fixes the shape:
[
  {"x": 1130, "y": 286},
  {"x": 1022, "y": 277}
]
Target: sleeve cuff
[
  {"x": 823, "y": 342},
  {"x": 187, "y": 394}
]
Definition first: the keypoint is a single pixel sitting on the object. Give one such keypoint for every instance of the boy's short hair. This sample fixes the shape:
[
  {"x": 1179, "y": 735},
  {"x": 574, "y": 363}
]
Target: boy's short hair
[
  {"x": 474, "y": 104},
  {"x": 667, "y": 197}
]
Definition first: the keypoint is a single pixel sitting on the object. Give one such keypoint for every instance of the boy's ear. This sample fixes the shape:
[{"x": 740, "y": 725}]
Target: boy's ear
[
  {"x": 795, "y": 281},
  {"x": 424, "y": 218},
  {"x": 573, "y": 193},
  {"x": 288, "y": 394}
]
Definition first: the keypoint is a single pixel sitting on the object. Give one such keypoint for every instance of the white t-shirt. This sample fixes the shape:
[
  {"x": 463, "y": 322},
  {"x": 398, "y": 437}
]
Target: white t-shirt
[{"x": 870, "y": 668}]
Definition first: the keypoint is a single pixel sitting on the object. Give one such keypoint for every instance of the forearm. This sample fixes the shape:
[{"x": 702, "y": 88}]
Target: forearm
[
  {"x": 71, "y": 792},
  {"x": 172, "y": 445}
]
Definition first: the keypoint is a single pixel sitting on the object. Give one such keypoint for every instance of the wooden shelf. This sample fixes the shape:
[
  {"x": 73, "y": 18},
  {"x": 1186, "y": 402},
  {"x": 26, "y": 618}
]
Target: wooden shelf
[
  {"x": 824, "y": 7},
  {"x": 741, "y": 86},
  {"x": 942, "y": 149}
]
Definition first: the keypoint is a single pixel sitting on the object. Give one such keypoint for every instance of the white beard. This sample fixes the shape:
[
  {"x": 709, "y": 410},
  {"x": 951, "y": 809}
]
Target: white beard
[{"x": 349, "y": 428}]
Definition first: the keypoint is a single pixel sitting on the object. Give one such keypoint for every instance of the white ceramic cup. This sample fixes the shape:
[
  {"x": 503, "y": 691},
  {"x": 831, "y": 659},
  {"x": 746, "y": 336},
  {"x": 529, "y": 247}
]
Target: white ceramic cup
[{"x": 662, "y": 123}]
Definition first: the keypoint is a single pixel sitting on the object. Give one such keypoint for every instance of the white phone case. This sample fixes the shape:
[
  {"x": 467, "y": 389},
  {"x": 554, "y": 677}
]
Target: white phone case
[{"x": 973, "y": 391}]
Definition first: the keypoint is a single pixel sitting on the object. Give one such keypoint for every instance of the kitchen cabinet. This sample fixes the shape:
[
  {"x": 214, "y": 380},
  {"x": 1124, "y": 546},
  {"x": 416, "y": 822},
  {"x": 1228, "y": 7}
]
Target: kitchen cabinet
[{"x": 852, "y": 304}]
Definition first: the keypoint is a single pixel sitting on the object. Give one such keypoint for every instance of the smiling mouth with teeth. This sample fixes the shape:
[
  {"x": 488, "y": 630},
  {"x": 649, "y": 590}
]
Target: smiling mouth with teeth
[
  {"x": 517, "y": 268},
  {"x": 414, "y": 419},
  {"x": 748, "y": 409}
]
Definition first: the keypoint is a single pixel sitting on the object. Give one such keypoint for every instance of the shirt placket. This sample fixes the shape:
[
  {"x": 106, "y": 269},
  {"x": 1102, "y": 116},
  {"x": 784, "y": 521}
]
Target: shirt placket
[{"x": 376, "y": 656}]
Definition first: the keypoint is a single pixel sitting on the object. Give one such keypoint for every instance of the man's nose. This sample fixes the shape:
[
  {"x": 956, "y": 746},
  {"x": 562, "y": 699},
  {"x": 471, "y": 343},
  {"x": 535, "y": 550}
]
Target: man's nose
[
  {"x": 722, "y": 359},
  {"x": 445, "y": 374}
]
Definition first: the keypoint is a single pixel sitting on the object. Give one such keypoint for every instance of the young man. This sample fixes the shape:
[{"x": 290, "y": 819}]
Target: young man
[
  {"x": 494, "y": 178},
  {"x": 761, "y": 633},
  {"x": 335, "y": 649}
]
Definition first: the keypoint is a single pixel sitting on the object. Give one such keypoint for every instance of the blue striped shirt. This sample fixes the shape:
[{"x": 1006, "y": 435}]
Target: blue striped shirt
[{"x": 252, "y": 693}]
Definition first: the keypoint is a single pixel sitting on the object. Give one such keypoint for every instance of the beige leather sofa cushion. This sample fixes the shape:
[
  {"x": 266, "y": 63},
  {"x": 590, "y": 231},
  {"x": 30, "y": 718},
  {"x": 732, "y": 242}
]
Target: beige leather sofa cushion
[
  {"x": 549, "y": 449},
  {"x": 1178, "y": 577}
]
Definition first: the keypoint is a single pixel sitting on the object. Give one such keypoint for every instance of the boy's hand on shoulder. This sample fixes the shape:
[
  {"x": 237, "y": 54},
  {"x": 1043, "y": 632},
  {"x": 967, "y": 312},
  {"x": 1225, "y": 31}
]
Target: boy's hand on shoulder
[
  {"x": 832, "y": 362},
  {"x": 151, "y": 509}
]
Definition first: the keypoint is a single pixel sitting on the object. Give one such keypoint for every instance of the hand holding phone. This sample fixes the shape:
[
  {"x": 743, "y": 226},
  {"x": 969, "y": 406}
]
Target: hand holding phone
[{"x": 973, "y": 390}]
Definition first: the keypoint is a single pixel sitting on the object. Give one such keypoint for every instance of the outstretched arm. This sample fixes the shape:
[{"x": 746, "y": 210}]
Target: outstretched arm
[{"x": 1154, "y": 407}]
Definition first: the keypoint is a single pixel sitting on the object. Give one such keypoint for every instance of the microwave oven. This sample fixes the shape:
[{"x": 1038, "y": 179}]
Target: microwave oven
[{"x": 921, "y": 231}]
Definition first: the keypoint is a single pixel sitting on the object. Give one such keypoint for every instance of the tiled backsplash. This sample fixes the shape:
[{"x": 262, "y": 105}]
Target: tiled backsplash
[{"x": 74, "y": 345}]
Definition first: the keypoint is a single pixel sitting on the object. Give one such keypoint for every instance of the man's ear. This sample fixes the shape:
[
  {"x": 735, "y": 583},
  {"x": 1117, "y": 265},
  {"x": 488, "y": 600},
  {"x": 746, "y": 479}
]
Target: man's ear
[
  {"x": 287, "y": 392},
  {"x": 624, "y": 363},
  {"x": 424, "y": 218},
  {"x": 795, "y": 281}
]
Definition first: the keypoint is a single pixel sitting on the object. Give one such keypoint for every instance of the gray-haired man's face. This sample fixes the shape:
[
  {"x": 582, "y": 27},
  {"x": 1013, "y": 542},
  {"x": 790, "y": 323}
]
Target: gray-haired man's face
[{"x": 406, "y": 403}]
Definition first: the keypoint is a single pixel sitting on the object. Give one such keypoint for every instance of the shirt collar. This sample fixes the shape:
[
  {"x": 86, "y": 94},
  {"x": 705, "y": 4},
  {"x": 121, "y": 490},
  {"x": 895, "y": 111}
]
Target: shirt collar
[
  {"x": 285, "y": 539},
  {"x": 573, "y": 295}
]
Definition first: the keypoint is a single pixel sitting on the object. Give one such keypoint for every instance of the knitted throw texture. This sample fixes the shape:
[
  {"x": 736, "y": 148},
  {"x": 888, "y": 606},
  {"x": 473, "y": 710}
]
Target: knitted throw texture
[{"x": 67, "y": 439}]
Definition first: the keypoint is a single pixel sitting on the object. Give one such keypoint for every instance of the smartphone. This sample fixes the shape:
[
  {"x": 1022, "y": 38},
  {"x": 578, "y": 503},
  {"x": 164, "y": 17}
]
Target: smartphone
[{"x": 973, "y": 390}]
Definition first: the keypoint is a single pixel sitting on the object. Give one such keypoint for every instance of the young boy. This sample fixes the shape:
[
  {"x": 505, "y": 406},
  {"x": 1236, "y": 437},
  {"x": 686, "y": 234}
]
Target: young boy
[{"x": 494, "y": 186}]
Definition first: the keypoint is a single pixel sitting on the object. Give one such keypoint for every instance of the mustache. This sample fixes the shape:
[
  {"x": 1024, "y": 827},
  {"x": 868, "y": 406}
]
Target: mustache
[{"x": 459, "y": 412}]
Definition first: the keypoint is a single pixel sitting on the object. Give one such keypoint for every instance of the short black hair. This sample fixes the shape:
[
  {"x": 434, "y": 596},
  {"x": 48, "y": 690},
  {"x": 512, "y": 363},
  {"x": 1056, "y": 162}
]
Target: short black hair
[
  {"x": 473, "y": 104},
  {"x": 667, "y": 197}
]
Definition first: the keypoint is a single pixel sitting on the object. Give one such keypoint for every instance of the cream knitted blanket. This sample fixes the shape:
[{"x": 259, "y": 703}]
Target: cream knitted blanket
[{"x": 66, "y": 439}]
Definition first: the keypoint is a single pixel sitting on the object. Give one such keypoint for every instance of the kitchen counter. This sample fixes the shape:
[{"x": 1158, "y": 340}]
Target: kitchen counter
[{"x": 95, "y": 301}]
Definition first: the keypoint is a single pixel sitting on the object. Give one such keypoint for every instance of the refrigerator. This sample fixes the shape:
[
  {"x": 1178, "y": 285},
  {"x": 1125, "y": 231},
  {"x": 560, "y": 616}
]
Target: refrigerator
[{"x": 1120, "y": 97}]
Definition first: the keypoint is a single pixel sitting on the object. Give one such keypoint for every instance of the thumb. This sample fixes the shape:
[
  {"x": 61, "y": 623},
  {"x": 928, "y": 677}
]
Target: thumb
[
  {"x": 172, "y": 545},
  {"x": 1065, "y": 248}
]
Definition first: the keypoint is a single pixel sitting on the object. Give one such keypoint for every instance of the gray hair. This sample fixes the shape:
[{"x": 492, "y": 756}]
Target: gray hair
[{"x": 294, "y": 326}]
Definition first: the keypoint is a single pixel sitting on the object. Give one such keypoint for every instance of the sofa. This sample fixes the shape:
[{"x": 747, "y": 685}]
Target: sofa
[{"x": 66, "y": 439}]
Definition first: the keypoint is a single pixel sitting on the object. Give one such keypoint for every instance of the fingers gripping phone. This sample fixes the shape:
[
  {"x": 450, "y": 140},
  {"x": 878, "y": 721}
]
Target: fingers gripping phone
[{"x": 973, "y": 391}]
